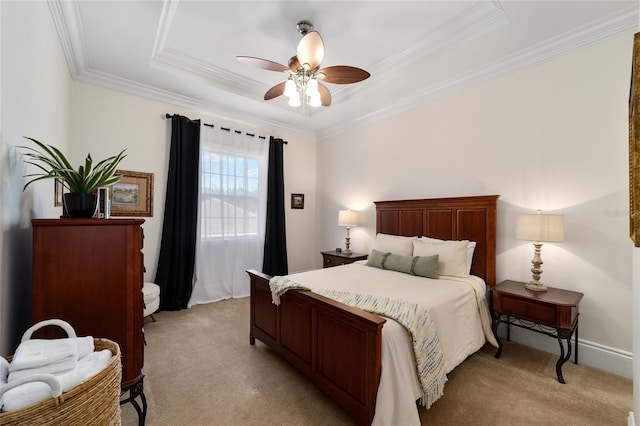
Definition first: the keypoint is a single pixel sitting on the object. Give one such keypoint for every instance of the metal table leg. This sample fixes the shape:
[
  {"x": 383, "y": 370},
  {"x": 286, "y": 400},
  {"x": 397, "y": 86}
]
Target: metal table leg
[{"x": 134, "y": 392}]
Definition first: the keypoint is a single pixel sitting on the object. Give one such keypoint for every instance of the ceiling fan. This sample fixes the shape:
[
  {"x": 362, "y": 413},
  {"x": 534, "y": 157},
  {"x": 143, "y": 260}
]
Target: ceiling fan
[{"x": 302, "y": 85}]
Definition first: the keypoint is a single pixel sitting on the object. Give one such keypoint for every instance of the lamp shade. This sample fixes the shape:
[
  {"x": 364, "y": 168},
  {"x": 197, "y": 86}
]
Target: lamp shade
[
  {"x": 540, "y": 227},
  {"x": 348, "y": 218}
]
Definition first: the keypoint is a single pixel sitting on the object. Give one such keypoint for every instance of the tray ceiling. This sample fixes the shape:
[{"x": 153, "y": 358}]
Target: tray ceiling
[{"x": 184, "y": 52}]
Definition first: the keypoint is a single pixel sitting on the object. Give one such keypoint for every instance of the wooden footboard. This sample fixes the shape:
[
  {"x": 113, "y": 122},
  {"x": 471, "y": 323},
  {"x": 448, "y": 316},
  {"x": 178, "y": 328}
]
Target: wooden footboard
[{"x": 336, "y": 346}]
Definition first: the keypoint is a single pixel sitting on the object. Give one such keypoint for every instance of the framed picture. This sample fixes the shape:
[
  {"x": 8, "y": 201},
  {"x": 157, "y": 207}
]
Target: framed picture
[
  {"x": 634, "y": 144},
  {"x": 132, "y": 195},
  {"x": 297, "y": 201},
  {"x": 58, "y": 190}
]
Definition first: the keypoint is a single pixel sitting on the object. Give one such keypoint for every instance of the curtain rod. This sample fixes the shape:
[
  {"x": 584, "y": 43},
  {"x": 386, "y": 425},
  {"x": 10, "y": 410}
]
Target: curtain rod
[
  {"x": 227, "y": 129},
  {"x": 193, "y": 121}
]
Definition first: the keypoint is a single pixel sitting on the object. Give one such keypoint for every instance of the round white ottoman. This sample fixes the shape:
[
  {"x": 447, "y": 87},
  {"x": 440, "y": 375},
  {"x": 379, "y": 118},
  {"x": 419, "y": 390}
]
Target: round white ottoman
[{"x": 151, "y": 296}]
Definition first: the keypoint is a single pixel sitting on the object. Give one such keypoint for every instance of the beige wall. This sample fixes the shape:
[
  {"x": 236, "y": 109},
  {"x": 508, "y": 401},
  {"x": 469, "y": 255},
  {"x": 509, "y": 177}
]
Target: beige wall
[
  {"x": 35, "y": 102},
  {"x": 105, "y": 122},
  {"x": 553, "y": 137}
]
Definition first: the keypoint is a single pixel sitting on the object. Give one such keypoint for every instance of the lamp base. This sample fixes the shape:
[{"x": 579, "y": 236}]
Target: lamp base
[
  {"x": 347, "y": 243},
  {"x": 535, "y": 286}
]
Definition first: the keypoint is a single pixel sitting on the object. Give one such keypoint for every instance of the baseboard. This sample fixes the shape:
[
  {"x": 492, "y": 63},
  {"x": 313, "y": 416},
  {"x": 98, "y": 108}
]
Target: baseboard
[
  {"x": 611, "y": 360},
  {"x": 630, "y": 419}
]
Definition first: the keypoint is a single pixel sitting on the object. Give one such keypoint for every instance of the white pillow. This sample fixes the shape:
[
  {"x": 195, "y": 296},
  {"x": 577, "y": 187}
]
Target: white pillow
[
  {"x": 470, "y": 249},
  {"x": 452, "y": 256},
  {"x": 394, "y": 244}
]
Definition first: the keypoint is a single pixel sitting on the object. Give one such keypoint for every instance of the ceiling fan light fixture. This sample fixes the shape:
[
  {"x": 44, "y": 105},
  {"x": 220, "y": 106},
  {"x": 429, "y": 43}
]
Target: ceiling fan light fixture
[
  {"x": 290, "y": 88},
  {"x": 294, "y": 100},
  {"x": 312, "y": 89},
  {"x": 315, "y": 101}
]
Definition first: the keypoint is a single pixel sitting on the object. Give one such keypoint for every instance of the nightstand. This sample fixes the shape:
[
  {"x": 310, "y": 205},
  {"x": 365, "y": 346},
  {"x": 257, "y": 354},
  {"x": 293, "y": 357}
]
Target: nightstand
[
  {"x": 333, "y": 258},
  {"x": 553, "y": 312}
]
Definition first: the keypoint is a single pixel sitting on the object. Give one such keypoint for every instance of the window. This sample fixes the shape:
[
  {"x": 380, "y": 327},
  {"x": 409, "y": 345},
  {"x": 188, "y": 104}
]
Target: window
[
  {"x": 229, "y": 196},
  {"x": 233, "y": 210}
]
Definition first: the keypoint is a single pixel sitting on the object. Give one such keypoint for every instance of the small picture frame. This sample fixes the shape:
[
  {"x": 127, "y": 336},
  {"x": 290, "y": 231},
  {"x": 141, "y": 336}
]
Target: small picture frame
[
  {"x": 58, "y": 190},
  {"x": 297, "y": 201},
  {"x": 132, "y": 195}
]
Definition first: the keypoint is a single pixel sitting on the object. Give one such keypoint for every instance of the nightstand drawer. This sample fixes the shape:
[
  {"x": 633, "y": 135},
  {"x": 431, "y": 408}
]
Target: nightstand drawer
[
  {"x": 333, "y": 258},
  {"x": 330, "y": 261},
  {"x": 532, "y": 311}
]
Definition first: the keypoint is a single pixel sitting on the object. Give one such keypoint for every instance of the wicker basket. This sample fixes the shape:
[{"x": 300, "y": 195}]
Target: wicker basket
[{"x": 95, "y": 401}]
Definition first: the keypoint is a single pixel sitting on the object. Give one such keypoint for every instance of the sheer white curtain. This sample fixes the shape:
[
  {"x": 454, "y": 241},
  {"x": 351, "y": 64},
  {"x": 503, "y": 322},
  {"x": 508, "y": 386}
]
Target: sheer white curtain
[{"x": 232, "y": 217}]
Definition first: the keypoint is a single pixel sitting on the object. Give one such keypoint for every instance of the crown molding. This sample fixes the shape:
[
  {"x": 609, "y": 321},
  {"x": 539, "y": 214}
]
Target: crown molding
[
  {"x": 169, "y": 9},
  {"x": 479, "y": 19},
  {"x": 68, "y": 23},
  {"x": 66, "y": 18},
  {"x": 571, "y": 41},
  {"x": 179, "y": 63},
  {"x": 111, "y": 82},
  {"x": 176, "y": 62}
]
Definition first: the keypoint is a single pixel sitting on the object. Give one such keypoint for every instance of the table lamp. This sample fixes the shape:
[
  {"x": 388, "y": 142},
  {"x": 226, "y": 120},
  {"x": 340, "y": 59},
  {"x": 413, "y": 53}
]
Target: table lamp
[
  {"x": 539, "y": 228},
  {"x": 348, "y": 218}
]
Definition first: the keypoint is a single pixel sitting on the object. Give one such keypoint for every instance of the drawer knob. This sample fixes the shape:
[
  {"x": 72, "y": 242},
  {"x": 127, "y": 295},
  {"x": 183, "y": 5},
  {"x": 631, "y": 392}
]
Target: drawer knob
[{"x": 525, "y": 309}]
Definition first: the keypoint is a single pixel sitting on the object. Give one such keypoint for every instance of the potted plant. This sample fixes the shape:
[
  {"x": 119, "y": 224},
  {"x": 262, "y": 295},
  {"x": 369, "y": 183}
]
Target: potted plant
[{"x": 80, "y": 201}]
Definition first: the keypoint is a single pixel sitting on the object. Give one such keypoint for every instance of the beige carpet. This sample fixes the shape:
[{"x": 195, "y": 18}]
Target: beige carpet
[{"x": 201, "y": 370}]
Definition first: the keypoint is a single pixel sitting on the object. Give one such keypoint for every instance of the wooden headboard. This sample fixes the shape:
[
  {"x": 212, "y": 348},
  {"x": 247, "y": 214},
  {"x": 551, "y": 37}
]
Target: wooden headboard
[{"x": 457, "y": 218}]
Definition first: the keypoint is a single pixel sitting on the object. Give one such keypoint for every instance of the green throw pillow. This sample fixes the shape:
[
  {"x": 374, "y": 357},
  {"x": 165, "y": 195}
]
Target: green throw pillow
[
  {"x": 377, "y": 259},
  {"x": 426, "y": 266},
  {"x": 396, "y": 262}
]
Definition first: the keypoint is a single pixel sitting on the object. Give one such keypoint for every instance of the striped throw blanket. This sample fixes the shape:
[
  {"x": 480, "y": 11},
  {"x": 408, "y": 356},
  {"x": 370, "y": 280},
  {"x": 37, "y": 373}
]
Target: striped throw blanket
[{"x": 426, "y": 346}]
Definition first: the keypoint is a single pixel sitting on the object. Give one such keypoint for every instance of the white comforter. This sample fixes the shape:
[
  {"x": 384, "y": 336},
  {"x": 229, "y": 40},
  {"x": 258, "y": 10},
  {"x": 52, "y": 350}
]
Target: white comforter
[{"x": 457, "y": 307}]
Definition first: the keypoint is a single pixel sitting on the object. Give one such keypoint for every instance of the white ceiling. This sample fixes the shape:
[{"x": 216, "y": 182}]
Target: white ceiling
[{"x": 183, "y": 52}]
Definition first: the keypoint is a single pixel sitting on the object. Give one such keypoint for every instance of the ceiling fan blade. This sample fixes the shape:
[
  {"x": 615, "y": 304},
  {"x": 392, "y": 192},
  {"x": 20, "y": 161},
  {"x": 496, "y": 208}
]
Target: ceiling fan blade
[
  {"x": 275, "y": 91},
  {"x": 262, "y": 63},
  {"x": 294, "y": 64},
  {"x": 343, "y": 74},
  {"x": 325, "y": 95},
  {"x": 311, "y": 49}
]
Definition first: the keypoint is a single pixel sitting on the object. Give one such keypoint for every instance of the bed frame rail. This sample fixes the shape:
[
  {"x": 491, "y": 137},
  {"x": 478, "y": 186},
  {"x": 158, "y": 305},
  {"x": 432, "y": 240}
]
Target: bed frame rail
[{"x": 306, "y": 329}]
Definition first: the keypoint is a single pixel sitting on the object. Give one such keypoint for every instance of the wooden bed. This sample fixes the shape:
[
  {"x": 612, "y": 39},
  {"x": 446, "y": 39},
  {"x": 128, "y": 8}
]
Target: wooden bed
[{"x": 339, "y": 347}]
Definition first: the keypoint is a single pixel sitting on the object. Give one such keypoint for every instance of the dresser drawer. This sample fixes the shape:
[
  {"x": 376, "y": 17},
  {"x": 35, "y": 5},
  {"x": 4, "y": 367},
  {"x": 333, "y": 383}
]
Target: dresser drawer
[{"x": 528, "y": 310}]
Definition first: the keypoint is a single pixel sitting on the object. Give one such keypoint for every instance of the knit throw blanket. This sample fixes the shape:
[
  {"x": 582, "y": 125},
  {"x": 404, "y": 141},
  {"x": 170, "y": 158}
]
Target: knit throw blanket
[{"x": 426, "y": 346}]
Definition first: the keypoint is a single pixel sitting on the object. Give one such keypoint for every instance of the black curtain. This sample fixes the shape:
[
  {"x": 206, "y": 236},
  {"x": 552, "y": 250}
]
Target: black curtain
[
  {"x": 177, "y": 255},
  {"x": 275, "y": 241}
]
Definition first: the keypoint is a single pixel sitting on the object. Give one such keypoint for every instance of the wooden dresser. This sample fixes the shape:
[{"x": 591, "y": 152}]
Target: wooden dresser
[{"x": 89, "y": 272}]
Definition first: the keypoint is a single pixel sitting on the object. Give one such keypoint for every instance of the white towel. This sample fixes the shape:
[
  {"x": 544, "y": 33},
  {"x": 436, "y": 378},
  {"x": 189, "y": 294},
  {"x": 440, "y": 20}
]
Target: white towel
[
  {"x": 35, "y": 388},
  {"x": 39, "y": 353},
  {"x": 85, "y": 345},
  {"x": 29, "y": 390},
  {"x": 32, "y": 356},
  {"x": 4, "y": 371},
  {"x": 87, "y": 367},
  {"x": 57, "y": 368}
]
